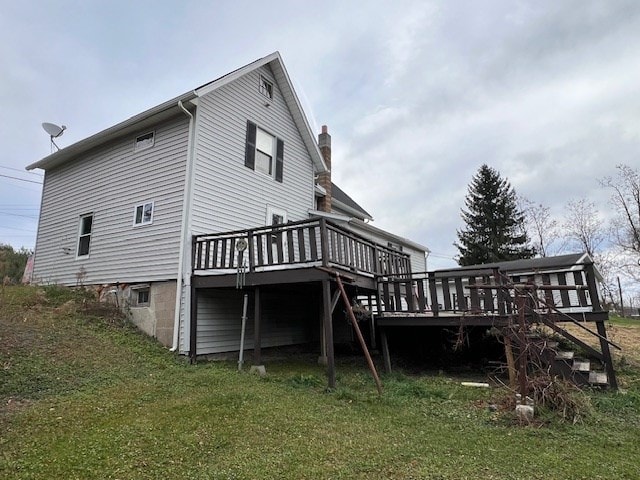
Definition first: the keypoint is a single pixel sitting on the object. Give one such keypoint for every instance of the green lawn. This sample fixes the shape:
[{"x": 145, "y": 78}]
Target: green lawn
[{"x": 83, "y": 395}]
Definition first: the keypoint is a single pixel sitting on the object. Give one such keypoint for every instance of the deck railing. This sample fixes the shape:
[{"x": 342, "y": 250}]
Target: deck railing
[
  {"x": 567, "y": 288},
  {"x": 314, "y": 242}
]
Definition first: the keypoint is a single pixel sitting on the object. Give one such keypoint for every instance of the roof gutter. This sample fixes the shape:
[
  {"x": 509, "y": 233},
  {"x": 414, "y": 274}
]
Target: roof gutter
[{"x": 133, "y": 124}]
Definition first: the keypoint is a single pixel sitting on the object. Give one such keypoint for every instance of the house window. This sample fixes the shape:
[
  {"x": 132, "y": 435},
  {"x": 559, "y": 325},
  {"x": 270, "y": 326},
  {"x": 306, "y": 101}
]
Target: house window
[
  {"x": 266, "y": 87},
  {"x": 144, "y": 141},
  {"x": 276, "y": 216},
  {"x": 143, "y": 214},
  {"x": 264, "y": 152},
  {"x": 394, "y": 246},
  {"x": 84, "y": 234},
  {"x": 141, "y": 295}
]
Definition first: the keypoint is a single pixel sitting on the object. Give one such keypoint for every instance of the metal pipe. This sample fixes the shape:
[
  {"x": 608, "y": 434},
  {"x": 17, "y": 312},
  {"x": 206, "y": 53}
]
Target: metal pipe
[
  {"x": 185, "y": 228},
  {"x": 244, "y": 326}
]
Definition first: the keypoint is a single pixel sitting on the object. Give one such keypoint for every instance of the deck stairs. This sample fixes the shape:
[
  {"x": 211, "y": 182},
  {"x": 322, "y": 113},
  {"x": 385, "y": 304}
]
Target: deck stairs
[{"x": 563, "y": 362}]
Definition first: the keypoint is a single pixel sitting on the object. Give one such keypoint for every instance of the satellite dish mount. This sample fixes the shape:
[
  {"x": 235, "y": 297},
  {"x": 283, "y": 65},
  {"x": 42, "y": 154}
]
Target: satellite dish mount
[{"x": 54, "y": 131}]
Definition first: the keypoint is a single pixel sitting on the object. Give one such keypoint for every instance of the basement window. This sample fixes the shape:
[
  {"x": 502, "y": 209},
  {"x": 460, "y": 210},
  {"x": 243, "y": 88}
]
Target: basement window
[
  {"x": 144, "y": 141},
  {"x": 143, "y": 214},
  {"x": 266, "y": 88},
  {"x": 141, "y": 295}
]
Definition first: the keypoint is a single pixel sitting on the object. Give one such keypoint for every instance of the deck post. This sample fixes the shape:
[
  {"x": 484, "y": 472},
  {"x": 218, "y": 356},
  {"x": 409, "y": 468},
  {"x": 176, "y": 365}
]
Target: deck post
[
  {"x": 193, "y": 324},
  {"x": 252, "y": 266},
  {"x": 385, "y": 349},
  {"x": 328, "y": 333},
  {"x": 257, "y": 318},
  {"x": 606, "y": 353},
  {"x": 324, "y": 242}
]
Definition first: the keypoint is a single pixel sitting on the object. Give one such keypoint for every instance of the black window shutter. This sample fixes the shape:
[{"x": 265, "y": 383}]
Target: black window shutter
[
  {"x": 250, "y": 148},
  {"x": 279, "y": 160}
]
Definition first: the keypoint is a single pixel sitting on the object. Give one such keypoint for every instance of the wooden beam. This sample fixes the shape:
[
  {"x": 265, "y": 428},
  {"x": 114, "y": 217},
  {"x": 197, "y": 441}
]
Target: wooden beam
[
  {"x": 384, "y": 344},
  {"x": 328, "y": 333},
  {"x": 257, "y": 320},
  {"x": 356, "y": 327},
  {"x": 193, "y": 325},
  {"x": 606, "y": 353}
]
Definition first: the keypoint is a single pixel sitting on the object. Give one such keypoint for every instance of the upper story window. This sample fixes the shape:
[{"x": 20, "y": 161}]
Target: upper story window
[
  {"x": 265, "y": 146},
  {"x": 143, "y": 214},
  {"x": 395, "y": 246},
  {"x": 144, "y": 141},
  {"x": 266, "y": 87},
  {"x": 264, "y": 152},
  {"x": 84, "y": 234}
]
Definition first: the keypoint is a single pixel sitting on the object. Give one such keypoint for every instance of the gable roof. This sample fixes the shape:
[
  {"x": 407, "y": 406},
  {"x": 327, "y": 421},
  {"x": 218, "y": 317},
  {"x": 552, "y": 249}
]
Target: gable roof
[
  {"x": 559, "y": 262},
  {"x": 348, "y": 204},
  {"x": 173, "y": 107}
]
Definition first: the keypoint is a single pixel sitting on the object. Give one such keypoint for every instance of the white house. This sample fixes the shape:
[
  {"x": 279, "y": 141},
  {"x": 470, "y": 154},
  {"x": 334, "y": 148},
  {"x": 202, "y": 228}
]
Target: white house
[{"x": 128, "y": 210}]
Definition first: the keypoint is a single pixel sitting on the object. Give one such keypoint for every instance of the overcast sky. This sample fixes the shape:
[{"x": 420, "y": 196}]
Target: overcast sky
[{"x": 416, "y": 94}]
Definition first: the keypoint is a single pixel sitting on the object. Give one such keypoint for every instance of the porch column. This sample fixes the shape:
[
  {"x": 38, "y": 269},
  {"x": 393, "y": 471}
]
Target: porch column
[
  {"x": 257, "y": 317},
  {"x": 328, "y": 333}
]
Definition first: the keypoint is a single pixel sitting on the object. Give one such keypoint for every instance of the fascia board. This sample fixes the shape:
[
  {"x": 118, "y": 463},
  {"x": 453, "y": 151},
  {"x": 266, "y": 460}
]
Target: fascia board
[
  {"x": 137, "y": 122},
  {"x": 356, "y": 213},
  {"x": 383, "y": 233}
]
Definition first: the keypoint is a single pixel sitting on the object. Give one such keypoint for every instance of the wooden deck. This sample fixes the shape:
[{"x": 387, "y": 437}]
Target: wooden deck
[
  {"x": 324, "y": 255},
  {"x": 295, "y": 246},
  {"x": 488, "y": 296}
]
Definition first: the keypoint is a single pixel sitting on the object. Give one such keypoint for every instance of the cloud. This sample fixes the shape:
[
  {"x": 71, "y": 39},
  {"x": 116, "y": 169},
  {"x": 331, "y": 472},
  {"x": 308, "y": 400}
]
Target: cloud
[{"x": 416, "y": 94}]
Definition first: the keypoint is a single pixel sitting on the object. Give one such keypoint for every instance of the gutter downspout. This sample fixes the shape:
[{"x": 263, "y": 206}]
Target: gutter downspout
[{"x": 186, "y": 209}]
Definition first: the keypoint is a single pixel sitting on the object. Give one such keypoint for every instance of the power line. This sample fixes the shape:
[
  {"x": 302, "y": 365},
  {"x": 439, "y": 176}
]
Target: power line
[
  {"x": 21, "y": 171},
  {"x": 16, "y": 228},
  {"x": 18, "y": 215},
  {"x": 21, "y": 179}
]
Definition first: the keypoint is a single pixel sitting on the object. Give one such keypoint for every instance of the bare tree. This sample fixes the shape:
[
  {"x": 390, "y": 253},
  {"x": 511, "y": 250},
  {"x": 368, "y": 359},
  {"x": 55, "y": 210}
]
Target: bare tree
[
  {"x": 583, "y": 227},
  {"x": 541, "y": 227},
  {"x": 625, "y": 230}
]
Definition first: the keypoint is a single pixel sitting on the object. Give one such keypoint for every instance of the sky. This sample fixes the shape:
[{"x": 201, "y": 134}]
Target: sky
[{"x": 417, "y": 95}]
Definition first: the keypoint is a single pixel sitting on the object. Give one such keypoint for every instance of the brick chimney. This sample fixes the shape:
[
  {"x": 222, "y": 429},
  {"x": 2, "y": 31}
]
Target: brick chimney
[{"x": 324, "y": 179}]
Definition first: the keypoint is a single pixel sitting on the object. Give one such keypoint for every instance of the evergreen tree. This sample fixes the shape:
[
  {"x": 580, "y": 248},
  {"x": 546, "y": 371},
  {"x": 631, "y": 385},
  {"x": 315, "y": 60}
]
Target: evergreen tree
[{"x": 494, "y": 224}]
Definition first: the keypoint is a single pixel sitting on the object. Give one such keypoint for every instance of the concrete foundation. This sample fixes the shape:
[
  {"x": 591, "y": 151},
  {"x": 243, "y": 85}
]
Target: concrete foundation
[{"x": 154, "y": 318}]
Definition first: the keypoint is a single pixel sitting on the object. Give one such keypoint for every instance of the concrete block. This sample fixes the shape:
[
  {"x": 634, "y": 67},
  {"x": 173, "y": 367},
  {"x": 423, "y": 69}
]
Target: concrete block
[
  {"x": 525, "y": 412},
  {"x": 259, "y": 369}
]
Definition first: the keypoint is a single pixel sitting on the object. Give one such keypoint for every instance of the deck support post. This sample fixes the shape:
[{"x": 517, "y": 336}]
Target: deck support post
[
  {"x": 606, "y": 353},
  {"x": 328, "y": 333},
  {"x": 193, "y": 325},
  {"x": 257, "y": 319},
  {"x": 384, "y": 344}
]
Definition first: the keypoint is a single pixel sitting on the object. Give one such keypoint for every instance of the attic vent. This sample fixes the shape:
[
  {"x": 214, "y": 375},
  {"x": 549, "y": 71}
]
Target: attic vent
[
  {"x": 266, "y": 87},
  {"x": 144, "y": 141}
]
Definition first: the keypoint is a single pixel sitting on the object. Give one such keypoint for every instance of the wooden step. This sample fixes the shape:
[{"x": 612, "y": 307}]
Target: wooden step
[
  {"x": 564, "y": 355},
  {"x": 598, "y": 378},
  {"x": 580, "y": 365}
]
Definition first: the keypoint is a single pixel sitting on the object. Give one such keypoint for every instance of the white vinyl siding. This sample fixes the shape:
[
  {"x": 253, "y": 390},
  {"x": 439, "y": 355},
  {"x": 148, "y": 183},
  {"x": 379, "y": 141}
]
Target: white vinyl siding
[
  {"x": 220, "y": 320},
  {"x": 227, "y": 194},
  {"x": 103, "y": 182},
  {"x": 418, "y": 261}
]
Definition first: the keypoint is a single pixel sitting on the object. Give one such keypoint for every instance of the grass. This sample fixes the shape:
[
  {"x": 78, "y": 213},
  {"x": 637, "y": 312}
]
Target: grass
[{"x": 84, "y": 395}]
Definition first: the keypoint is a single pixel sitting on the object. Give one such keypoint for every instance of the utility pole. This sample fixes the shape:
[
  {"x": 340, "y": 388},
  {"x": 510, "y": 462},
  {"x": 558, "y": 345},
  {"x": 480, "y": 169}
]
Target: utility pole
[{"x": 620, "y": 293}]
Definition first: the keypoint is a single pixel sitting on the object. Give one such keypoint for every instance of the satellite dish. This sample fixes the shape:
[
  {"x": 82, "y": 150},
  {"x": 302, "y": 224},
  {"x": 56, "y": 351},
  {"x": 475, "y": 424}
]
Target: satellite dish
[{"x": 54, "y": 131}]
